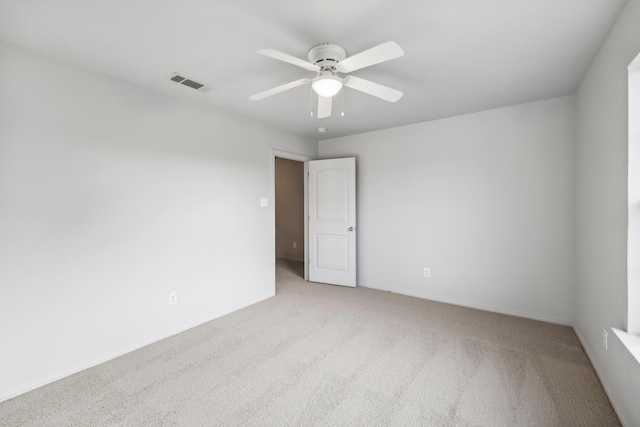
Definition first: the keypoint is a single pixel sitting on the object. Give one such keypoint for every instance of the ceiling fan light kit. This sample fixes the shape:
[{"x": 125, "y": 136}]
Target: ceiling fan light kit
[
  {"x": 327, "y": 84},
  {"x": 327, "y": 59}
]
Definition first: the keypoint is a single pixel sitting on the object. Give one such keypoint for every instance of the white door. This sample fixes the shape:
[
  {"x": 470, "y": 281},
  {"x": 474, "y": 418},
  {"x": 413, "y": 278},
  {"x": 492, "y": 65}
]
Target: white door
[{"x": 332, "y": 221}]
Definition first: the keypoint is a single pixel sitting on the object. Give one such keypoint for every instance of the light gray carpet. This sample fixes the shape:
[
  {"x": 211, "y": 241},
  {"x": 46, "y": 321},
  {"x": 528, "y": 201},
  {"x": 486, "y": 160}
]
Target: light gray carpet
[{"x": 325, "y": 355}]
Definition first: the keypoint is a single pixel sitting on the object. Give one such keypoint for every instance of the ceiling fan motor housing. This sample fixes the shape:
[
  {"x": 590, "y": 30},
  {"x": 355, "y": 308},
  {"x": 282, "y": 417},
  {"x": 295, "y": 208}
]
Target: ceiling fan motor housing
[{"x": 326, "y": 55}]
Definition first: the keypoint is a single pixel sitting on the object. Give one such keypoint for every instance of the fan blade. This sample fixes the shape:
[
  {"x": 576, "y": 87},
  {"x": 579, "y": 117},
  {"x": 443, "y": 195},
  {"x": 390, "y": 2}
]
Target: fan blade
[
  {"x": 275, "y": 90},
  {"x": 275, "y": 54},
  {"x": 324, "y": 107},
  {"x": 381, "y": 53},
  {"x": 371, "y": 88}
]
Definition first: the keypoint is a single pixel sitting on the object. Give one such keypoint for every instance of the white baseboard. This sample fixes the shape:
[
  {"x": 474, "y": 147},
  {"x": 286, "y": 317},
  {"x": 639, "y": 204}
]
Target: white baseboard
[
  {"x": 607, "y": 389},
  {"x": 120, "y": 353},
  {"x": 562, "y": 322}
]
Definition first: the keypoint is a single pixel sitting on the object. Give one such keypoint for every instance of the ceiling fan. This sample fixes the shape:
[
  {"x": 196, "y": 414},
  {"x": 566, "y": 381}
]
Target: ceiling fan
[{"x": 327, "y": 60}]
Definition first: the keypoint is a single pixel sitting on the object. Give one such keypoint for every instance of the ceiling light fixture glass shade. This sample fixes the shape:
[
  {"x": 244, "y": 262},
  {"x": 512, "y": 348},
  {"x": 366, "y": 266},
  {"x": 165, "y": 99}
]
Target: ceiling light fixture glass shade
[{"x": 327, "y": 84}]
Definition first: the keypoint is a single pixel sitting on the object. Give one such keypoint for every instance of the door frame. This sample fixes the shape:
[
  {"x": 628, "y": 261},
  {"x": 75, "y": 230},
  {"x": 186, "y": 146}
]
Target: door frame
[{"x": 299, "y": 158}]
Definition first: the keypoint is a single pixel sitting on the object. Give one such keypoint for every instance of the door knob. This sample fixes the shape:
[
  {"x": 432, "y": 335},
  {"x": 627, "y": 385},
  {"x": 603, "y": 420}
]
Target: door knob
[{"x": 350, "y": 229}]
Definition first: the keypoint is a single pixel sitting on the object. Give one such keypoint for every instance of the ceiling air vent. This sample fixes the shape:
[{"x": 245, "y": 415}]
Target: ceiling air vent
[{"x": 175, "y": 77}]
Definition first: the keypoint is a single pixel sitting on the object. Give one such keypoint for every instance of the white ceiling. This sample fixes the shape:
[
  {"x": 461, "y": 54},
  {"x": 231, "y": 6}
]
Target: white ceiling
[{"x": 461, "y": 56}]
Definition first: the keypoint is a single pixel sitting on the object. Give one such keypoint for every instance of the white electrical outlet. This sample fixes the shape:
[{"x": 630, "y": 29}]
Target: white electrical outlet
[
  {"x": 173, "y": 298},
  {"x": 605, "y": 339},
  {"x": 295, "y": 245},
  {"x": 427, "y": 272}
]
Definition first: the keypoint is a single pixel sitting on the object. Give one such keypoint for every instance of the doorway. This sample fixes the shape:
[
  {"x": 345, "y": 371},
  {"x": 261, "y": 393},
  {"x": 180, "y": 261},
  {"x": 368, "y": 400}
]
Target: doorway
[
  {"x": 333, "y": 258},
  {"x": 284, "y": 254},
  {"x": 289, "y": 202}
]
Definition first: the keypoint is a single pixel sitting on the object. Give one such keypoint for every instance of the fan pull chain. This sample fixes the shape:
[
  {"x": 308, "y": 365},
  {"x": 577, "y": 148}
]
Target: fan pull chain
[
  {"x": 342, "y": 102},
  {"x": 311, "y": 102}
]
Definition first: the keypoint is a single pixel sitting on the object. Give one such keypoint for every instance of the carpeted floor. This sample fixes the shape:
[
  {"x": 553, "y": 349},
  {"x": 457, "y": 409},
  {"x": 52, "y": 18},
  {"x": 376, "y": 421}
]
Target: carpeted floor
[{"x": 326, "y": 355}]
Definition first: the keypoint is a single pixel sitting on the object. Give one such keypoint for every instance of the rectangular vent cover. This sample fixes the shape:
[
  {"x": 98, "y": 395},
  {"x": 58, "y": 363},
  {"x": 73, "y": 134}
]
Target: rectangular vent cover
[{"x": 175, "y": 77}]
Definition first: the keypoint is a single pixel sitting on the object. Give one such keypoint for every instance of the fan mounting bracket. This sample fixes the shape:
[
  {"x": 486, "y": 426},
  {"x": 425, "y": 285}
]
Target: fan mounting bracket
[{"x": 326, "y": 55}]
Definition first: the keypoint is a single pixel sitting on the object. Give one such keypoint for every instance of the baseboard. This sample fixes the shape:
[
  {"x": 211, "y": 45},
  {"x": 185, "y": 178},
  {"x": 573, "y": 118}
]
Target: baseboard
[
  {"x": 97, "y": 362},
  {"x": 607, "y": 389},
  {"x": 478, "y": 306}
]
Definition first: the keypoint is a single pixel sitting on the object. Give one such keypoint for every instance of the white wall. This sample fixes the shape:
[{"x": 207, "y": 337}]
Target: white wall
[
  {"x": 111, "y": 196},
  {"x": 601, "y": 208},
  {"x": 484, "y": 200}
]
